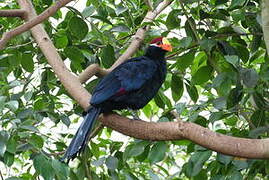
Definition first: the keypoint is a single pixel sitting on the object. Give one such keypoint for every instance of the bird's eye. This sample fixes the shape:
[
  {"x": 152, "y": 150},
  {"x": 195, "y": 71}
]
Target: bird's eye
[{"x": 158, "y": 43}]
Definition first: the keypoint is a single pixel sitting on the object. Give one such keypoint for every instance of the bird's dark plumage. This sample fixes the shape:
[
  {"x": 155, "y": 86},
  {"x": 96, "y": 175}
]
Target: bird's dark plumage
[{"x": 130, "y": 85}]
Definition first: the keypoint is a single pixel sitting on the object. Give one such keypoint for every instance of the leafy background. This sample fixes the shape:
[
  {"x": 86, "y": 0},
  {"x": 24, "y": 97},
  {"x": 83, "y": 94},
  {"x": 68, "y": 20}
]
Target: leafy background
[{"x": 218, "y": 77}]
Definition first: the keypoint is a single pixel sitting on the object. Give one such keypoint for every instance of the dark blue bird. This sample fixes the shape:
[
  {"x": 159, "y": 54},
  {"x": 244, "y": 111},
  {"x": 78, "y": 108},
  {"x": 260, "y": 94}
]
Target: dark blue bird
[{"x": 131, "y": 85}]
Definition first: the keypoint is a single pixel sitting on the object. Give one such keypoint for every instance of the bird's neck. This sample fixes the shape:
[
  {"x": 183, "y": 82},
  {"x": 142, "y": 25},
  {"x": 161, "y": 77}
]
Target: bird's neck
[{"x": 155, "y": 53}]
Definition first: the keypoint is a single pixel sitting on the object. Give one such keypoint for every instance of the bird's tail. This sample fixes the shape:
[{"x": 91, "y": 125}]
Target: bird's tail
[{"x": 80, "y": 139}]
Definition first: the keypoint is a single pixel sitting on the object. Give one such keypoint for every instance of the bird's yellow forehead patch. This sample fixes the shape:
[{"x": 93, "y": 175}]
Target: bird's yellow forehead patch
[{"x": 165, "y": 41}]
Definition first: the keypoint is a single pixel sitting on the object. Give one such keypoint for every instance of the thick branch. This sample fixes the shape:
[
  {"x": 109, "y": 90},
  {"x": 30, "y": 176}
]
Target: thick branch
[
  {"x": 265, "y": 23},
  {"x": 12, "y": 13},
  {"x": 34, "y": 21},
  {"x": 239, "y": 147},
  {"x": 69, "y": 81},
  {"x": 137, "y": 40}
]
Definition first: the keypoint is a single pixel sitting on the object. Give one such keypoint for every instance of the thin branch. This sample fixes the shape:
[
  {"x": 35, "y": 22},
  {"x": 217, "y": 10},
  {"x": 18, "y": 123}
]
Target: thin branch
[
  {"x": 31, "y": 23},
  {"x": 20, "y": 45},
  {"x": 236, "y": 34},
  {"x": 1, "y": 175},
  {"x": 164, "y": 131},
  {"x": 96, "y": 131},
  {"x": 190, "y": 22},
  {"x": 13, "y": 13},
  {"x": 137, "y": 40}
]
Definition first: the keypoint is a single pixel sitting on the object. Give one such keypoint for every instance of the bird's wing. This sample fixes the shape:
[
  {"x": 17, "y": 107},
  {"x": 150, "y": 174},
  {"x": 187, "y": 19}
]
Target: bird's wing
[
  {"x": 129, "y": 76},
  {"x": 135, "y": 73}
]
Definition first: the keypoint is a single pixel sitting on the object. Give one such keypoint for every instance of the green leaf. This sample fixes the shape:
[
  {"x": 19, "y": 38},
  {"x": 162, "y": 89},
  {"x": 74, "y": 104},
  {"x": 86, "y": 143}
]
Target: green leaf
[
  {"x": 27, "y": 62},
  {"x": 61, "y": 41},
  {"x": 172, "y": 20},
  {"x": 180, "y": 107},
  {"x": 240, "y": 164},
  {"x": 120, "y": 28},
  {"x": 237, "y": 3},
  {"x": 74, "y": 54},
  {"x": 207, "y": 44},
  {"x": 242, "y": 52},
  {"x": 102, "y": 19},
  {"x": 2, "y": 102},
  {"x": 152, "y": 175},
  {"x": 192, "y": 91},
  {"x": 66, "y": 120},
  {"x": 36, "y": 141},
  {"x": 185, "y": 60},
  {"x": 8, "y": 159},
  {"x": 112, "y": 163},
  {"x": 61, "y": 169},
  {"x": 78, "y": 27},
  {"x": 202, "y": 75},
  {"x": 233, "y": 60},
  {"x": 88, "y": 11},
  {"x": 215, "y": 116},
  {"x": 236, "y": 175},
  {"x": 108, "y": 56},
  {"x": 120, "y": 9},
  {"x": 198, "y": 160},
  {"x": 3, "y": 140},
  {"x": 250, "y": 77},
  {"x": 157, "y": 152},
  {"x": 44, "y": 167},
  {"x": 185, "y": 42},
  {"x": 177, "y": 87},
  {"x": 13, "y": 105},
  {"x": 255, "y": 133},
  {"x": 137, "y": 149},
  {"x": 224, "y": 159},
  {"x": 99, "y": 162},
  {"x": 11, "y": 145},
  {"x": 190, "y": 28},
  {"x": 159, "y": 101},
  {"x": 234, "y": 97},
  {"x": 231, "y": 121},
  {"x": 219, "y": 103},
  {"x": 258, "y": 118}
]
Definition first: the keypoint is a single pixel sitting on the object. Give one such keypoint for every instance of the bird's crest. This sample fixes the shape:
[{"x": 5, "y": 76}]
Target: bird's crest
[{"x": 158, "y": 39}]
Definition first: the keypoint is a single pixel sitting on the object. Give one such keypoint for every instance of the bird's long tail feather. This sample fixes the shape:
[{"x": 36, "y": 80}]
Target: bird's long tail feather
[{"x": 80, "y": 139}]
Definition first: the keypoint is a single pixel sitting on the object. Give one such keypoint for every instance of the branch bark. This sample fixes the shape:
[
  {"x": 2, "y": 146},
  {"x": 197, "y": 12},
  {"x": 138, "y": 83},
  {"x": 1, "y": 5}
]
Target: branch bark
[
  {"x": 265, "y": 23},
  {"x": 34, "y": 21},
  {"x": 163, "y": 131},
  {"x": 69, "y": 81},
  {"x": 12, "y": 13}
]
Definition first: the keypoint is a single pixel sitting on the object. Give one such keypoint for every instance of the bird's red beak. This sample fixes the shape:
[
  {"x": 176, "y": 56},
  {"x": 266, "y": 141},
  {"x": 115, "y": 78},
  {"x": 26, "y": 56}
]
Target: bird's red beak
[{"x": 166, "y": 45}]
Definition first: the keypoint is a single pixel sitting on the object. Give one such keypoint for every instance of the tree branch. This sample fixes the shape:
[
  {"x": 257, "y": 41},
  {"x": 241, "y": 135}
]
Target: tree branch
[
  {"x": 265, "y": 23},
  {"x": 69, "y": 81},
  {"x": 12, "y": 13},
  {"x": 163, "y": 131},
  {"x": 37, "y": 20},
  {"x": 137, "y": 40}
]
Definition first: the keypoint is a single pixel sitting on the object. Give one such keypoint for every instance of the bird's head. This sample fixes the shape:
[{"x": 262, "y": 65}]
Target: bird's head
[{"x": 161, "y": 42}]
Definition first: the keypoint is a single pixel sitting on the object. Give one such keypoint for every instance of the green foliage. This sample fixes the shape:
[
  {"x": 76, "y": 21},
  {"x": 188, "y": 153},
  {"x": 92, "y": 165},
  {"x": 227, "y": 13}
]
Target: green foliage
[{"x": 218, "y": 77}]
